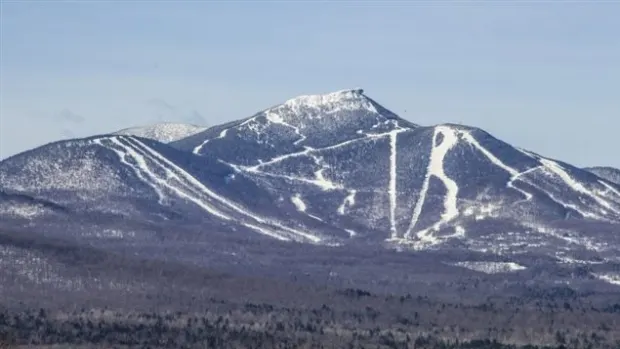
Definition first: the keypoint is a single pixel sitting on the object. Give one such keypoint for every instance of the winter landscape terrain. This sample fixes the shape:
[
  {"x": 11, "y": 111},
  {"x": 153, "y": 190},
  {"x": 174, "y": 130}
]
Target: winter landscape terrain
[{"x": 326, "y": 220}]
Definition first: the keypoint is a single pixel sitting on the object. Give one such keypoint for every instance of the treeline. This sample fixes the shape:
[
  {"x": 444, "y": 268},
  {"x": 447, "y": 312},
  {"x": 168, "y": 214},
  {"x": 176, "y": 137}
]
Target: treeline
[{"x": 252, "y": 326}]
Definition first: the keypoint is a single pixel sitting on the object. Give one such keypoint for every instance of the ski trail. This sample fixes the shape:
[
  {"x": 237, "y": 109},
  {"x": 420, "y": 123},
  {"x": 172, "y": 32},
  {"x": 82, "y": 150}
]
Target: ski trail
[
  {"x": 140, "y": 160},
  {"x": 265, "y": 231},
  {"x": 612, "y": 189},
  {"x": 320, "y": 179},
  {"x": 435, "y": 168},
  {"x": 277, "y": 159},
  {"x": 249, "y": 225},
  {"x": 560, "y": 202},
  {"x": 134, "y": 151},
  {"x": 566, "y": 205},
  {"x": 308, "y": 150},
  {"x": 322, "y": 183},
  {"x": 573, "y": 184},
  {"x": 348, "y": 201},
  {"x": 392, "y": 184},
  {"x": 209, "y": 193},
  {"x": 198, "y": 148},
  {"x": 138, "y": 171},
  {"x": 277, "y": 119},
  {"x": 513, "y": 173}
]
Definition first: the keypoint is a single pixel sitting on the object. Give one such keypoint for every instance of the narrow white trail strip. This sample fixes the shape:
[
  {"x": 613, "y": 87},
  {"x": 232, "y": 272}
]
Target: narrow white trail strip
[
  {"x": 139, "y": 171},
  {"x": 612, "y": 189},
  {"x": 573, "y": 184},
  {"x": 190, "y": 180},
  {"x": 435, "y": 168},
  {"x": 277, "y": 119},
  {"x": 134, "y": 152},
  {"x": 514, "y": 173},
  {"x": 392, "y": 184},
  {"x": 199, "y": 148}
]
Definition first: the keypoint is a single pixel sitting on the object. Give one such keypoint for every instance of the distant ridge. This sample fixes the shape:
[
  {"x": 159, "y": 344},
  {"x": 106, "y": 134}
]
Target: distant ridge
[
  {"x": 609, "y": 173},
  {"x": 162, "y": 132}
]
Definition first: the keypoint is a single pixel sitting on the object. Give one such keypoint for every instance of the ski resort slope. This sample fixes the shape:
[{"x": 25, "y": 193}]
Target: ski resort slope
[{"x": 330, "y": 169}]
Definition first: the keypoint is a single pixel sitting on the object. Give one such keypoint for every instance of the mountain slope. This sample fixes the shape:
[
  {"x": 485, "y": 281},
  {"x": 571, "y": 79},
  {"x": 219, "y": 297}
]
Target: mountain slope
[
  {"x": 609, "y": 173},
  {"x": 162, "y": 132},
  {"x": 331, "y": 169},
  {"x": 141, "y": 179}
]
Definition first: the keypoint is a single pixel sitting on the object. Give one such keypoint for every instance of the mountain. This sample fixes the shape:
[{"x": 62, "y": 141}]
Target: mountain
[
  {"x": 344, "y": 159},
  {"x": 336, "y": 170},
  {"x": 609, "y": 173},
  {"x": 162, "y": 132}
]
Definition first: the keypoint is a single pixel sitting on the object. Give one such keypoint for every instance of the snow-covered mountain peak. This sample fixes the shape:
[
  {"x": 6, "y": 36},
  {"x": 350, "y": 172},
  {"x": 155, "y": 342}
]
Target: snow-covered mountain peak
[
  {"x": 337, "y": 104},
  {"x": 315, "y": 121},
  {"x": 163, "y": 132},
  {"x": 353, "y": 99}
]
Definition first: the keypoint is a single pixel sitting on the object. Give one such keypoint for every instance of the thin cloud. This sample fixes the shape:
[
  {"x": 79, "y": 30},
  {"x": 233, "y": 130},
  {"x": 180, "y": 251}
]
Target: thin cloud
[
  {"x": 196, "y": 118},
  {"x": 69, "y": 116},
  {"x": 161, "y": 105},
  {"x": 166, "y": 112},
  {"x": 67, "y": 133}
]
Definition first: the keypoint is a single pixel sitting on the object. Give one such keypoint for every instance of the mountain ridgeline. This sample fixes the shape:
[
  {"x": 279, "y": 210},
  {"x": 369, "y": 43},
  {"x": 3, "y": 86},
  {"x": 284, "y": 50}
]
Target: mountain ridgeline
[{"x": 333, "y": 170}]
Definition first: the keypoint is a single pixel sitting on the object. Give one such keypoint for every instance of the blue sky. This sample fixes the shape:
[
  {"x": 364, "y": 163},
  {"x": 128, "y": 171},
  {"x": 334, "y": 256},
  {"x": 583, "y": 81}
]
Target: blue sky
[{"x": 541, "y": 75}]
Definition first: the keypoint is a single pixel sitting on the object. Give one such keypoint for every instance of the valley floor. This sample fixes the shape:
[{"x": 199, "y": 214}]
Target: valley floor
[{"x": 384, "y": 322}]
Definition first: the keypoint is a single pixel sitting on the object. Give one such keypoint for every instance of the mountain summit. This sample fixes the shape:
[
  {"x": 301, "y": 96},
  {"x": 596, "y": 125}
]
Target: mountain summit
[{"x": 312, "y": 121}]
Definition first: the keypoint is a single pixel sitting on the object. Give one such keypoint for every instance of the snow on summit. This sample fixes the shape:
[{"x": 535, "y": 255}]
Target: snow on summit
[
  {"x": 163, "y": 132},
  {"x": 339, "y": 100}
]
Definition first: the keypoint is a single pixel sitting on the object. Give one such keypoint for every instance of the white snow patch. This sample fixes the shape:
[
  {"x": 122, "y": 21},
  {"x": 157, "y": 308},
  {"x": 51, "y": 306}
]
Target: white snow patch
[
  {"x": 351, "y": 232},
  {"x": 563, "y": 258},
  {"x": 349, "y": 201},
  {"x": 298, "y": 202},
  {"x": 491, "y": 267},
  {"x": 610, "y": 278},
  {"x": 323, "y": 182},
  {"x": 22, "y": 210}
]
